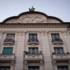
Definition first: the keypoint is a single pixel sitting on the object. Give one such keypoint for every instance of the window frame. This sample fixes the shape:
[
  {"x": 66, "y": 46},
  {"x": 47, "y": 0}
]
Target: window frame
[
  {"x": 9, "y": 39},
  {"x": 9, "y": 52},
  {"x": 33, "y": 37},
  {"x": 33, "y": 50},
  {"x": 55, "y": 36},
  {"x": 58, "y": 50}
]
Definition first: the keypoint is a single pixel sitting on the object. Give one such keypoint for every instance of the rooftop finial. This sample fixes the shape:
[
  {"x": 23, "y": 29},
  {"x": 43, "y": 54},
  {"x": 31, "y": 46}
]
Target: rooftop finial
[{"x": 32, "y": 9}]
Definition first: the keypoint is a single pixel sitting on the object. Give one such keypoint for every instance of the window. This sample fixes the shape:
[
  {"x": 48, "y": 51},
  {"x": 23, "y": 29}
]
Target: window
[
  {"x": 10, "y": 39},
  {"x": 4, "y": 67},
  {"x": 55, "y": 36},
  {"x": 10, "y": 35},
  {"x": 58, "y": 50},
  {"x": 7, "y": 50},
  {"x": 33, "y": 50},
  {"x": 33, "y": 37},
  {"x": 33, "y": 68},
  {"x": 62, "y": 67}
]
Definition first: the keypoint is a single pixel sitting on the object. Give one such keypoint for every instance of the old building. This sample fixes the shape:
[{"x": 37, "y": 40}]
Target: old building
[{"x": 34, "y": 41}]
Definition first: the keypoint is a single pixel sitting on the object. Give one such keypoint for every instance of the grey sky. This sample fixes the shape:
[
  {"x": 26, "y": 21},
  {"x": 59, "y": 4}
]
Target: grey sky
[{"x": 58, "y": 8}]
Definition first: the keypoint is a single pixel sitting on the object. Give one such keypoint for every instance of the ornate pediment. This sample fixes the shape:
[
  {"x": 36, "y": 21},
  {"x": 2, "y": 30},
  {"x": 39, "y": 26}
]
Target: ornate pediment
[{"x": 32, "y": 16}]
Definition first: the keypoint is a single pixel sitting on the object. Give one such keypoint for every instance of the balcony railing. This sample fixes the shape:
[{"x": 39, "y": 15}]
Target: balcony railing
[
  {"x": 7, "y": 57},
  {"x": 64, "y": 56},
  {"x": 57, "y": 41},
  {"x": 30, "y": 42},
  {"x": 33, "y": 56},
  {"x": 9, "y": 42}
]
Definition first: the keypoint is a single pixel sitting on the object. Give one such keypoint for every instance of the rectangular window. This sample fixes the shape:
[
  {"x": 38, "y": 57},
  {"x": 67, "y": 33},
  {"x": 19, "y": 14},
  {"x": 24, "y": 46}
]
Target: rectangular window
[
  {"x": 33, "y": 37},
  {"x": 4, "y": 67},
  {"x": 55, "y": 36},
  {"x": 58, "y": 50},
  {"x": 10, "y": 39},
  {"x": 33, "y": 50},
  {"x": 62, "y": 67},
  {"x": 10, "y": 35},
  {"x": 33, "y": 68},
  {"x": 8, "y": 50}
]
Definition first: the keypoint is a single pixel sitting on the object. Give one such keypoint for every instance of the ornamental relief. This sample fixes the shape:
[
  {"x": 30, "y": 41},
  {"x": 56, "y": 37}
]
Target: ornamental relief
[
  {"x": 29, "y": 18},
  {"x": 33, "y": 18}
]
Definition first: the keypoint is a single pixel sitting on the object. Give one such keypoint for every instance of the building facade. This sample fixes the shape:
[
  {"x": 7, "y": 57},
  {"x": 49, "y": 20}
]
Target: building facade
[{"x": 34, "y": 41}]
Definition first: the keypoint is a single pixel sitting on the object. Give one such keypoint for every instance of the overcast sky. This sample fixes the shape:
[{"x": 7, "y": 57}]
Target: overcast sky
[{"x": 57, "y": 8}]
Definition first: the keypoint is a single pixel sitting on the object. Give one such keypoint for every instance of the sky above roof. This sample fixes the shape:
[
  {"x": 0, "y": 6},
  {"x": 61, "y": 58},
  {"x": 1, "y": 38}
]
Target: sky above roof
[{"x": 57, "y": 8}]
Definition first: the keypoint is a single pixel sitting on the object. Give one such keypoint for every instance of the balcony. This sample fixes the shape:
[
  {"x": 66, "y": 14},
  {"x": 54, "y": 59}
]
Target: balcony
[
  {"x": 33, "y": 56},
  {"x": 57, "y": 41},
  {"x": 7, "y": 57},
  {"x": 64, "y": 56},
  {"x": 35, "y": 42},
  {"x": 9, "y": 42}
]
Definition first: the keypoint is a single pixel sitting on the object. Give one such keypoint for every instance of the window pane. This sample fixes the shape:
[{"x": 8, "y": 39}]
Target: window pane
[
  {"x": 55, "y": 36},
  {"x": 10, "y": 39},
  {"x": 7, "y": 50},
  {"x": 33, "y": 50},
  {"x": 32, "y": 36},
  {"x": 58, "y": 50}
]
